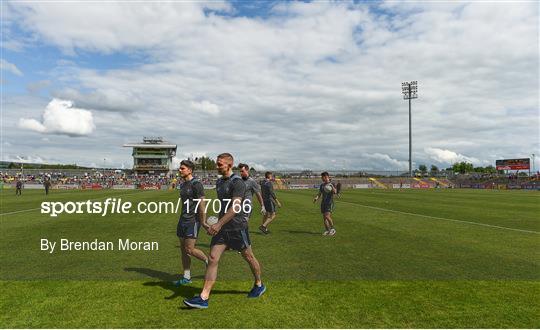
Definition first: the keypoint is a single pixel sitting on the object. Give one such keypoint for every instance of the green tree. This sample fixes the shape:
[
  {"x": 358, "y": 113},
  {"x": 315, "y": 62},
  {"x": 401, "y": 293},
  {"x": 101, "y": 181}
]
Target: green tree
[
  {"x": 490, "y": 169},
  {"x": 462, "y": 167},
  {"x": 434, "y": 170},
  {"x": 206, "y": 164},
  {"x": 423, "y": 169},
  {"x": 479, "y": 169}
]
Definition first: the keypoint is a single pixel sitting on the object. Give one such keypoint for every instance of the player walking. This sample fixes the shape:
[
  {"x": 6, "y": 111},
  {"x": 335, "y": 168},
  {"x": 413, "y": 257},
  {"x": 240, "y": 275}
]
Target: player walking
[
  {"x": 252, "y": 187},
  {"x": 270, "y": 201},
  {"x": 193, "y": 215},
  {"x": 231, "y": 231},
  {"x": 327, "y": 191}
]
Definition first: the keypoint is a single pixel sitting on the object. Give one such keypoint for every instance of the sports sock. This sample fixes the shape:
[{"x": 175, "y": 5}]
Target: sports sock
[{"x": 187, "y": 274}]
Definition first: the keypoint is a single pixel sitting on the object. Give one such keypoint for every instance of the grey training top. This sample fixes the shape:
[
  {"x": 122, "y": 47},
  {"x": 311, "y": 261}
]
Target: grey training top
[
  {"x": 252, "y": 187},
  {"x": 267, "y": 190},
  {"x": 227, "y": 189},
  {"x": 190, "y": 190}
]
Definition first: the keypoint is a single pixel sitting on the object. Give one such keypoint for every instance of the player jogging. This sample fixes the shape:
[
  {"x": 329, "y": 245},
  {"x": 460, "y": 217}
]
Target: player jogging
[
  {"x": 231, "y": 231},
  {"x": 270, "y": 201},
  {"x": 193, "y": 215},
  {"x": 327, "y": 191}
]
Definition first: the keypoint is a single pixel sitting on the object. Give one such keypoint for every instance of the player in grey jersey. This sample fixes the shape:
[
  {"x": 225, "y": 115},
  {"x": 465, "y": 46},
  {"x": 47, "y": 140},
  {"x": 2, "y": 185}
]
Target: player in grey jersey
[
  {"x": 252, "y": 187},
  {"x": 192, "y": 217},
  {"x": 270, "y": 202},
  {"x": 327, "y": 203}
]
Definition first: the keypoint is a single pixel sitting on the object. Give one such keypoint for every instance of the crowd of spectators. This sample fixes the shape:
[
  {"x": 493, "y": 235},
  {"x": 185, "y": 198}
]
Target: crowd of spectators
[
  {"x": 110, "y": 178},
  {"x": 103, "y": 178}
]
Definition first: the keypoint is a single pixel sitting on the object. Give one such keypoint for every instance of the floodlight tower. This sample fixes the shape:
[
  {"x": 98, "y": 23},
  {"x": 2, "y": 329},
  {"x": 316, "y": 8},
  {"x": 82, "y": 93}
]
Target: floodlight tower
[{"x": 409, "y": 90}]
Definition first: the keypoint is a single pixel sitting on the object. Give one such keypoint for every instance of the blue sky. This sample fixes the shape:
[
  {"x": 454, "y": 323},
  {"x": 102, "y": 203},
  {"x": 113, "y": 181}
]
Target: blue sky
[{"x": 313, "y": 84}]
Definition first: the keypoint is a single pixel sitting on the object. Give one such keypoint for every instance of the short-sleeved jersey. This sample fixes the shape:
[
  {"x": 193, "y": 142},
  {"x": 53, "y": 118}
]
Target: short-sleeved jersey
[
  {"x": 267, "y": 190},
  {"x": 227, "y": 189},
  {"x": 327, "y": 197},
  {"x": 190, "y": 190},
  {"x": 252, "y": 187}
]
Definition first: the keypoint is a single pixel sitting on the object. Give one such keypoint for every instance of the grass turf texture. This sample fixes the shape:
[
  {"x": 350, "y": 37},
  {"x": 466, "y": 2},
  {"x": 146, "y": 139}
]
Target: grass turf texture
[{"x": 388, "y": 266}]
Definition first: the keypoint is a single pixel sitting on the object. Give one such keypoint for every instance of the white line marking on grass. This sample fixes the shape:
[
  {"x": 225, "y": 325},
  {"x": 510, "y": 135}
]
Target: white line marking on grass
[
  {"x": 14, "y": 212},
  {"x": 439, "y": 218},
  {"x": 95, "y": 199}
]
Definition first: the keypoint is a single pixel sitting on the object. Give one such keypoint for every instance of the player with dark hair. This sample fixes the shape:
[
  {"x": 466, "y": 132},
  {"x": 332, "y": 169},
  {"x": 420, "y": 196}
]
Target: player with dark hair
[
  {"x": 252, "y": 187},
  {"x": 327, "y": 191},
  {"x": 270, "y": 201},
  {"x": 230, "y": 232},
  {"x": 193, "y": 215}
]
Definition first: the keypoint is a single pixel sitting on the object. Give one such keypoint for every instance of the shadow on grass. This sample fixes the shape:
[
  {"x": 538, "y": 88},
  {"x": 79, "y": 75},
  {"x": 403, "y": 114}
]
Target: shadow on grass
[
  {"x": 166, "y": 279},
  {"x": 303, "y": 232}
]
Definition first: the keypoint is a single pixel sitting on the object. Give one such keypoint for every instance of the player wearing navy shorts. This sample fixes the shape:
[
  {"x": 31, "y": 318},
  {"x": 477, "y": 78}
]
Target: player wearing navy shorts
[
  {"x": 270, "y": 202},
  {"x": 192, "y": 217},
  {"x": 327, "y": 203},
  {"x": 230, "y": 232}
]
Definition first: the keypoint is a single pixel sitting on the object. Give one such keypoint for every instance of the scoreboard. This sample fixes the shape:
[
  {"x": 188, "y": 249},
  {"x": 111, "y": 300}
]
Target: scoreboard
[{"x": 513, "y": 164}]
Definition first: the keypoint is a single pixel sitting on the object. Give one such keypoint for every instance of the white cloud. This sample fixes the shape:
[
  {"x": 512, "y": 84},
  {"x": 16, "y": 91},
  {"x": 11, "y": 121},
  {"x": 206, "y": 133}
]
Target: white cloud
[
  {"x": 384, "y": 162},
  {"x": 310, "y": 83},
  {"x": 449, "y": 157},
  {"x": 60, "y": 117},
  {"x": 258, "y": 167},
  {"x": 33, "y": 159},
  {"x": 10, "y": 67},
  {"x": 185, "y": 155},
  {"x": 206, "y": 107}
]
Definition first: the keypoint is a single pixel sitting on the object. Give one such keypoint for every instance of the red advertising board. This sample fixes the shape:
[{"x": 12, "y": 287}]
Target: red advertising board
[
  {"x": 420, "y": 185},
  {"x": 149, "y": 187},
  {"x": 513, "y": 164},
  {"x": 94, "y": 186}
]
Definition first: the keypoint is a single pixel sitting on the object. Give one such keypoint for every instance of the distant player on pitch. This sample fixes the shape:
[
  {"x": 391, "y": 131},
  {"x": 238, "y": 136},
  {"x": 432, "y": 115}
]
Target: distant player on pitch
[
  {"x": 230, "y": 232},
  {"x": 47, "y": 184},
  {"x": 270, "y": 201},
  {"x": 18, "y": 187},
  {"x": 327, "y": 191},
  {"x": 192, "y": 217}
]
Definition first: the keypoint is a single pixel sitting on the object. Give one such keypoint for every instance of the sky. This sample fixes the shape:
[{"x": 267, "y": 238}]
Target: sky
[{"x": 280, "y": 85}]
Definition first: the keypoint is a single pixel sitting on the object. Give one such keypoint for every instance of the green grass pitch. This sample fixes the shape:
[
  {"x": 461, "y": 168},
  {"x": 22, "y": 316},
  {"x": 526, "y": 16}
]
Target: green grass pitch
[{"x": 411, "y": 258}]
